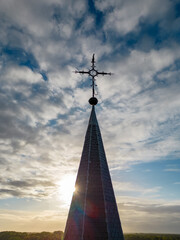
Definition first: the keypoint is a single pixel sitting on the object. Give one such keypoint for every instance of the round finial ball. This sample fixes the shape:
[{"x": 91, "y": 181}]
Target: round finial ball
[{"x": 93, "y": 101}]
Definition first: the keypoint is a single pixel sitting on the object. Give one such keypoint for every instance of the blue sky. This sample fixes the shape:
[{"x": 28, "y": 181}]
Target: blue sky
[{"x": 44, "y": 108}]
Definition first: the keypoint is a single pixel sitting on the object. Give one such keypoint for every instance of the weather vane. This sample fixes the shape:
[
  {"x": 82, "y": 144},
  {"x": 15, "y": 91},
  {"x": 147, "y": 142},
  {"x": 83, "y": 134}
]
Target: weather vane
[{"x": 93, "y": 73}]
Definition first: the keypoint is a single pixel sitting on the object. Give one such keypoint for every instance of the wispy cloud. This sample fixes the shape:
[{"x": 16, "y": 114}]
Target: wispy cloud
[
  {"x": 137, "y": 214},
  {"x": 172, "y": 170},
  {"x": 32, "y": 221}
]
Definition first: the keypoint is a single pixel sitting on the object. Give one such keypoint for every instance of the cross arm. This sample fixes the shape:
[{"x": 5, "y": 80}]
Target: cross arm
[
  {"x": 82, "y": 72},
  {"x": 104, "y": 73}
]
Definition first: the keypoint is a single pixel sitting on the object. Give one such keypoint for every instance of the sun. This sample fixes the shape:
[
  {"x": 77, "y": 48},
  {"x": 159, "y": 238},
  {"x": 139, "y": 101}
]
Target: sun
[{"x": 66, "y": 188}]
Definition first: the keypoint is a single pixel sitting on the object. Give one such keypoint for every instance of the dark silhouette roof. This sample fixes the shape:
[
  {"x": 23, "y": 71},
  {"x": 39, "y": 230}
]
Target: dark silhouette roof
[{"x": 93, "y": 213}]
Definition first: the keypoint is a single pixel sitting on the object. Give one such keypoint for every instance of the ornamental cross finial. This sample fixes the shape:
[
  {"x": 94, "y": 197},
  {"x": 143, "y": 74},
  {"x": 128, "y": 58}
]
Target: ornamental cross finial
[{"x": 93, "y": 73}]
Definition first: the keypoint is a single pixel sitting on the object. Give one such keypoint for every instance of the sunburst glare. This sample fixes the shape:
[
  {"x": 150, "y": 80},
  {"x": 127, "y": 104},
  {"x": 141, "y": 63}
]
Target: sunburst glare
[{"x": 66, "y": 188}]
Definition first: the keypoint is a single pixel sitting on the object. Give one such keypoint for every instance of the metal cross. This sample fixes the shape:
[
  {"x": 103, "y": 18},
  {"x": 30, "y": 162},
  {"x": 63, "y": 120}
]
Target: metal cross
[{"x": 93, "y": 73}]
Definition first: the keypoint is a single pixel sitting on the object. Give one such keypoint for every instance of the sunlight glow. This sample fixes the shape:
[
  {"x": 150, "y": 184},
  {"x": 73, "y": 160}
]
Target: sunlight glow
[{"x": 66, "y": 188}]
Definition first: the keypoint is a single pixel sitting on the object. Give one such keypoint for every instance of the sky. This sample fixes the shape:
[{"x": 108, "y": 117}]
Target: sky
[{"x": 44, "y": 108}]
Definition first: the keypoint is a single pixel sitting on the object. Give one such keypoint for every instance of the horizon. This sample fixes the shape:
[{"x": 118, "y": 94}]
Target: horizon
[
  {"x": 123, "y": 232},
  {"x": 44, "y": 109}
]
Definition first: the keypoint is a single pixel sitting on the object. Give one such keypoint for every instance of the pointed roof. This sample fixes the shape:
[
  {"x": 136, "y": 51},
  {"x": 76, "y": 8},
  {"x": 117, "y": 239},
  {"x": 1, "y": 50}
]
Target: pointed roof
[{"x": 93, "y": 213}]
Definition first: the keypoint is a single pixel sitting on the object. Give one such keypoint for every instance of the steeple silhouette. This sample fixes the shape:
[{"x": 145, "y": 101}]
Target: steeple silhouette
[{"x": 93, "y": 213}]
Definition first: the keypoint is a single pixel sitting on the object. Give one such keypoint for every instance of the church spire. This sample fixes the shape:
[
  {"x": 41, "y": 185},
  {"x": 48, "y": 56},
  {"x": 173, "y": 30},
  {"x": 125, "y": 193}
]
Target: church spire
[{"x": 93, "y": 213}]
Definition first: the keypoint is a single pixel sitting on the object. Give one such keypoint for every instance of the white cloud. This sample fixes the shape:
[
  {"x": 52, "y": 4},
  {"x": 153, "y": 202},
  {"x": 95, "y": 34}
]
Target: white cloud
[
  {"x": 136, "y": 117},
  {"x": 17, "y": 74},
  {"x": 142, "y": 113},
  {"x": 126, "y": 15}
]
